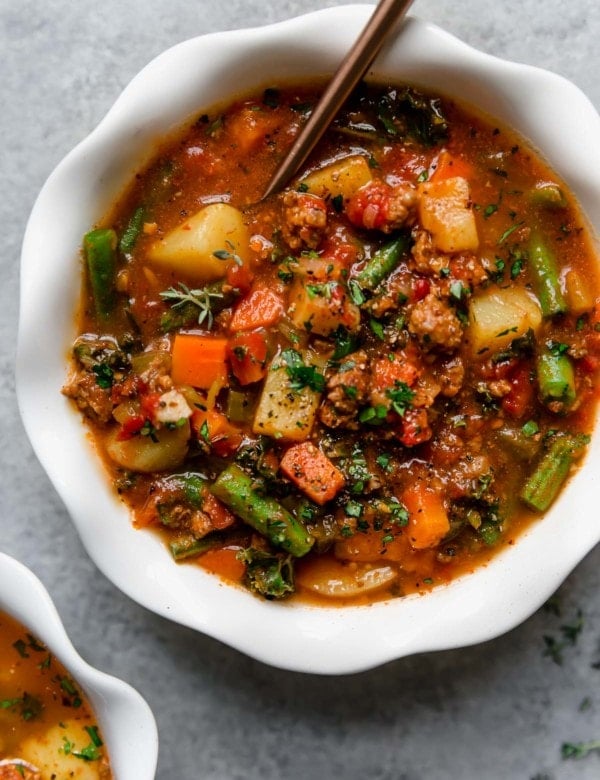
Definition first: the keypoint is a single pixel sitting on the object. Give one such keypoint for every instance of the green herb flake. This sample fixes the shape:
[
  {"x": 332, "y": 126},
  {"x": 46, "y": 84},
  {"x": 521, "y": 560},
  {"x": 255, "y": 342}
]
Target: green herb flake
[
  {"x": 377, "y": 329},
  {"x": 353, "y": 509},
  {"x": 300, "y": 374},
  {"x": 356, "y": 293},
  {"x": 530, "y": 428},
  {"x": 578, "y": 750},
  {"x": 383, "y": 461},
  {"x": 508, "y": 232},
  {"x": 401, "y": 397},
  {"x": 338, "y": 203}
]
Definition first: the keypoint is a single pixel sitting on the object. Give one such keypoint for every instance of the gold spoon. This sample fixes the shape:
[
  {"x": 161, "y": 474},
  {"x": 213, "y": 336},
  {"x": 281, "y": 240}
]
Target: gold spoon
[{"x": 349, "y": 73}]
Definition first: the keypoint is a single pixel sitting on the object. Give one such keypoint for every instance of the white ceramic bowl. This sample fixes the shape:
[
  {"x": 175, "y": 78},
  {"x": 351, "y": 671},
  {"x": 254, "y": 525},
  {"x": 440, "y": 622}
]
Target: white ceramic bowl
[
  {"x": 552, "y": 113},
  {"x": 125, "y": 720}
]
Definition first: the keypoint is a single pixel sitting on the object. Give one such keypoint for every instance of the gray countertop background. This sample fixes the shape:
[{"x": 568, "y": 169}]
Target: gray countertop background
[{"x": 494, "y": 711}]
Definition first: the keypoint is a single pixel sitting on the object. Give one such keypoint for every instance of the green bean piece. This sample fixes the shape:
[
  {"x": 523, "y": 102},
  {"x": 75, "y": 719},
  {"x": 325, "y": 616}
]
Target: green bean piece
[
  {"x": 236, "y": 490},
  {"x": 100, "y": 254},
  {"x": 383, "y": 262},
  {"x": 132, "y": 231},
  {"x": 545, "y": 277},
  {"x": 556, "y": 378},
  {"x": 188, "y": 545},
  {"x": 549, "y": 196},
  {"x": 544, "y": 484}
]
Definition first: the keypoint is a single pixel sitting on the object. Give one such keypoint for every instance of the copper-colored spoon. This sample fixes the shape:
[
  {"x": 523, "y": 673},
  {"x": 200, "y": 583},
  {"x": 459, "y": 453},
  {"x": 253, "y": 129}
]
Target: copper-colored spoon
[{"x": 351, "y": 70}]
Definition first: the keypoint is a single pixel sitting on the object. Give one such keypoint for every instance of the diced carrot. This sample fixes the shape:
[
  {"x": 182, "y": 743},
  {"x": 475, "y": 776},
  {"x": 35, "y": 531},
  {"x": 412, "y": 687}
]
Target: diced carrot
[
  {"x": 428, "y": 519},
  {"x": 386, "y": 372},
  {"x": 247, "y": 354},
  {"x": 312, "y": 471},
  {"x": 213, "y": 428},
  {"x": 199, "y": 361},
  {"x": 261, "y": 308},
  {"x": 224, "y": 563},
  {"x": 449, "y": 166}
]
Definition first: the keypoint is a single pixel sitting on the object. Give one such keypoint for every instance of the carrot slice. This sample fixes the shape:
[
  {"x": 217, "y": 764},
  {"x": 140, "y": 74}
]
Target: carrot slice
[
  {"x": 261, "y": 308},
  {"x": 312, "y": 471},
  {"x": 199, "y": 361},
  {"x": 428, "y": 519}
]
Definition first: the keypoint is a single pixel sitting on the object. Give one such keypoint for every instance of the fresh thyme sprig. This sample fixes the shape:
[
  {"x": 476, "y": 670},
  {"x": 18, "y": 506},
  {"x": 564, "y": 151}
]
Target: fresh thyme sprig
[
  {"x": 228, "y": 254},
  {"x": 200, "y": 298}
]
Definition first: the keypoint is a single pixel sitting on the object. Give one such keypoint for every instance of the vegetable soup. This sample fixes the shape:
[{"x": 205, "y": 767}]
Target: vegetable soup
[
  {"x": 47, "y": 727},
  {"x": 355, "y": 389}
]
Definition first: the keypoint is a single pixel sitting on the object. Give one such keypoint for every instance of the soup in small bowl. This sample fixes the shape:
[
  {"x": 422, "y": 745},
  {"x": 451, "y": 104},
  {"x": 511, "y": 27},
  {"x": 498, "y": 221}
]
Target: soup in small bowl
[{"x": 59, "y": 717}]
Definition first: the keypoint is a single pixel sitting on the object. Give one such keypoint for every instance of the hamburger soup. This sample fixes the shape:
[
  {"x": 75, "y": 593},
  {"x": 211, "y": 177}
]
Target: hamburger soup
[{"x": 355, "y": 389}]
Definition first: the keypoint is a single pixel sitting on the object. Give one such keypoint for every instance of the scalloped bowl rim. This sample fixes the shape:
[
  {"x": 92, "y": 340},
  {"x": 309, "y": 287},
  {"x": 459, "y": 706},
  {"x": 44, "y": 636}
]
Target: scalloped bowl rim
[
  {"x": 297, "y": 637},
  {"x": 124, "y": 717}
]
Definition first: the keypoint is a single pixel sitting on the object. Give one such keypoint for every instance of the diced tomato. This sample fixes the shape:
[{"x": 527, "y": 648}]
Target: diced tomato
[
  {"x": 132, "y": 426},
  {"x": 240, "y": 277},
  {"x": 149, "y": 404},
  {"x": 340, "y": 253},
  {"x": 421, "y": 289},
  {"x": 369, "y": 206},
  {"x": 520, "y": 397},
  {"x": 414, "y": 428},
  {"x": 220, "y": 516},
  {"x": 247, "y": 354},
  {"x": 262, "y": 307},
  {"x": 589, "y": 364}
]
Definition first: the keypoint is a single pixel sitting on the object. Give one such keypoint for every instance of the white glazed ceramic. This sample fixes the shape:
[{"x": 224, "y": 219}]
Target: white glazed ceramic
[
  {"x": 193, "y": 76},
  {"x": 125, "y": 720}
]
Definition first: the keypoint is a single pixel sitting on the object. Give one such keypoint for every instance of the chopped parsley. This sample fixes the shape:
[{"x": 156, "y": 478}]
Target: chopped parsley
[
  {"x": 300, "y": 374},
  {"x": 401, "y": 397}
]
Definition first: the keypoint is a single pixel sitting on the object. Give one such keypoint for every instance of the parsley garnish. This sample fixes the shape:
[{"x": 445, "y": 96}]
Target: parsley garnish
[
  {"x": 300, "y": 374},
  {"x": 578, "y": 749},
  {"x": 508, "y": 232},
  {"x": 401, "y": 397},
  {"x": 104, "y": 375},
  {"x": 570, "y": 633}
]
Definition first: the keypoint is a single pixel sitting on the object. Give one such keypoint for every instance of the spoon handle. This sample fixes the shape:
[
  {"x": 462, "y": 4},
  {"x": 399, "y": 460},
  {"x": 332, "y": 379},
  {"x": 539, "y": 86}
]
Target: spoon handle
[{"x": 349, "y": 73}]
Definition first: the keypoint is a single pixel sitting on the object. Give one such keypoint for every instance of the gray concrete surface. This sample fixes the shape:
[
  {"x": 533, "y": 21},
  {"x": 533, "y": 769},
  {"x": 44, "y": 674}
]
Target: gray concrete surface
[{"x": 495, "y": 711}]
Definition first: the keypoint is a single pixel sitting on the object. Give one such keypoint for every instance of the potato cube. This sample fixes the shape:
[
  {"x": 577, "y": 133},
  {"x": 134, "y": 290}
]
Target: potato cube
[
  {"x": 343, "y": 178},
  {"x": 190, "y": 248},
  {"x": 445, "y": 211},
  {"x": 498, "y": 316},
  {"x": 283, "y": 412}
]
